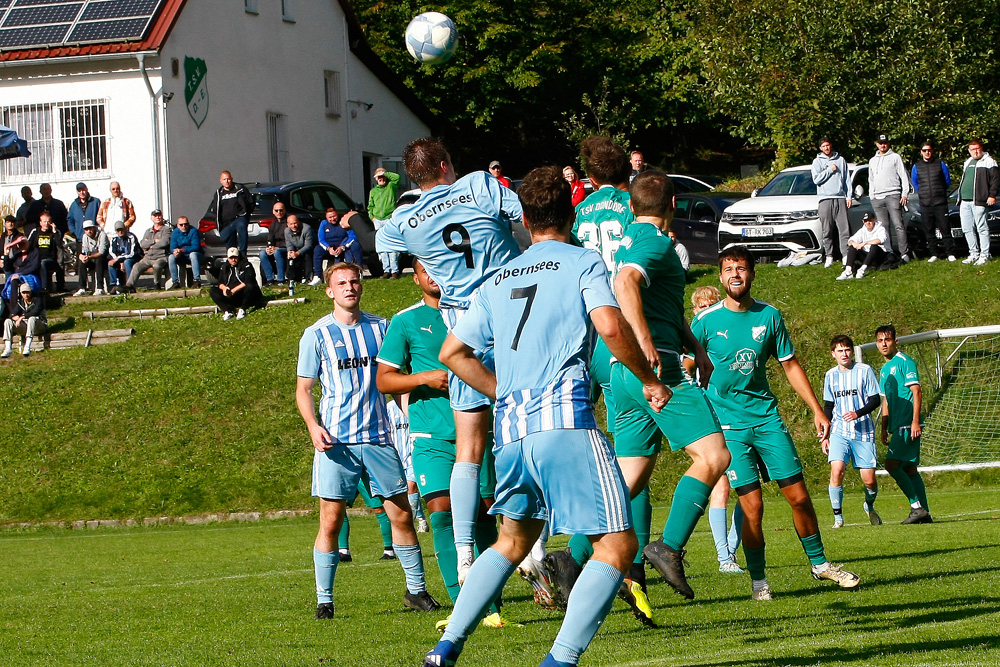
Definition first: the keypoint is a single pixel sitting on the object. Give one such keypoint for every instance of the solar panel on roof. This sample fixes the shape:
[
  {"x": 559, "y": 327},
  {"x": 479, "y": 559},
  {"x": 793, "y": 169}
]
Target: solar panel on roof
[
  {"x": 116, "y": 9},
  {"x": 115, "y": 29},
  {"x": 43, "y": 35},
  {"x": 42, "y": 15},
  {"x": 25, "y": 3}
]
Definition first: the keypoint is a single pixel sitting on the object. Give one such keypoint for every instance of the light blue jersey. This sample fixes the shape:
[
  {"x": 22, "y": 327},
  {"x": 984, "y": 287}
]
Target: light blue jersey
[
  {"x": 343, "y": 358},
  {"x": 849, "y": 391},
  {"x": 461, "y": 233},
  {"x": 535, "y": 313}
]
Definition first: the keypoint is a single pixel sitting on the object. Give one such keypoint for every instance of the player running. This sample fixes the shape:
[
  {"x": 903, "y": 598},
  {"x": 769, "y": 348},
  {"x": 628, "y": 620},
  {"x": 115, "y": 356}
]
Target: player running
[
  {"x": 460, "y": 230},
  {"x": 351, "y": 436},
  {"x": 540, "y": 313},
  {"x": 408, "y": 364},
  {"x": 901, "y": 396},
  {"x": 850, "y": 396},
  {"x": 740, "y": 334}
]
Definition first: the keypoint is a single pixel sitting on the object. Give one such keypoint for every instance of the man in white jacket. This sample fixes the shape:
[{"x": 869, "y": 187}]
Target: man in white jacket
[{"x": 889, "y": 187}]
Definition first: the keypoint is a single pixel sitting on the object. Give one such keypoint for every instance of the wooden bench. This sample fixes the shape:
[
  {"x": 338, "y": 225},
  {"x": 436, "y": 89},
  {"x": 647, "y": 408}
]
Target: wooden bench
[{"x": 59, "y": 341}]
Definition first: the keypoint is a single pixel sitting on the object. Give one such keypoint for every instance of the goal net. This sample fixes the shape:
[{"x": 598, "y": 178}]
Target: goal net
[{"x": 960, "y": 381}]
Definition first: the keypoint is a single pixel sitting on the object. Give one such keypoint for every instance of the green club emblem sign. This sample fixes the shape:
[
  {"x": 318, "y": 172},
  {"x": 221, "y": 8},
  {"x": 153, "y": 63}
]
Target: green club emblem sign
[{"x": 196, "y": 88}]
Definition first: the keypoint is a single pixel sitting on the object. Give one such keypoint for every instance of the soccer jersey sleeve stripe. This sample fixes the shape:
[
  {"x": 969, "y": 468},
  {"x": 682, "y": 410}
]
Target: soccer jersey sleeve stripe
[{"x": 642, "y": 271}]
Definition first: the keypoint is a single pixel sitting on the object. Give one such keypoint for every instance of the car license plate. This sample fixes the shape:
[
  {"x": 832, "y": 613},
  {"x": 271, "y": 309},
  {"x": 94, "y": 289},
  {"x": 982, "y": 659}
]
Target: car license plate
[
  {"x": 956, "y": 232},
  {"x": 758, "y": 232}
]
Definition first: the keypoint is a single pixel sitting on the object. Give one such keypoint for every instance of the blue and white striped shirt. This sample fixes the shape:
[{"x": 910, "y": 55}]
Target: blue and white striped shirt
[
  {"x": 535, "y": 311},
  {"x": 343, "y": 358},
  {"x": 849, "y": 391}
]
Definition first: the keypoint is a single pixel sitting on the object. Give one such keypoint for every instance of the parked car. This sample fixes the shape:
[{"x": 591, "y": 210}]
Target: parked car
[
  {"x": 783, "y": 216},
  {"x": 915, "y": 228},
  {"x": 683, "y": 183},
  {"x": 308, "y": 200},
  {"x": 696, "y": 223}
]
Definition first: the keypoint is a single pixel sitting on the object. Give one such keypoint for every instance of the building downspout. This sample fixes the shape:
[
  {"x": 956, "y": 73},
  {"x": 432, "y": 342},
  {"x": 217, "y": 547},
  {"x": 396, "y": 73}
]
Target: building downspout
[{"x": 157, "y": 176}]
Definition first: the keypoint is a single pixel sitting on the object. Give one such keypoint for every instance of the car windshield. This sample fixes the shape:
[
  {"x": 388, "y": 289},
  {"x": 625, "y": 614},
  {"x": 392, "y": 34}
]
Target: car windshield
[{"x": 789, "y": 183}]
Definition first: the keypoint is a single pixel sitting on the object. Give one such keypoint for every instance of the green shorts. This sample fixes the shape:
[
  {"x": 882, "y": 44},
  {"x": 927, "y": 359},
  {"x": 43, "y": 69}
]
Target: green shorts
[
  {"x": 903, "y": 447},
  {"x": 600, "y": 374},
  {"x": 432, "y": 463},
  {"x": 366, "y": 498},
  {"x": 686, "y": 418},
  {"x": 768, "y": 443}
]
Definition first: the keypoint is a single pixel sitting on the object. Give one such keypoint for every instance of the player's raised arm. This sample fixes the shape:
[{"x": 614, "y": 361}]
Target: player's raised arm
[{"x": 800, "y": 383}]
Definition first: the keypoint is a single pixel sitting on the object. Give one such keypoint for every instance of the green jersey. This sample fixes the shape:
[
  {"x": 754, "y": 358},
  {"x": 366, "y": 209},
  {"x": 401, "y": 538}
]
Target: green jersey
[
  {"x": 897, "y": 376},
  {"x": 601, "y": 221},
  {"x": 739, "y": 345},
  {"x": 651, "y": 252},
  {"x": 412, "y": 343},
  {"x": 968, "y": 192}
]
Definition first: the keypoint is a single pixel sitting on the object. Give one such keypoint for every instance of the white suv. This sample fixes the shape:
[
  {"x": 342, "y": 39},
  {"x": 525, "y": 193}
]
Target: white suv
[{"x": 783, "y": 217}]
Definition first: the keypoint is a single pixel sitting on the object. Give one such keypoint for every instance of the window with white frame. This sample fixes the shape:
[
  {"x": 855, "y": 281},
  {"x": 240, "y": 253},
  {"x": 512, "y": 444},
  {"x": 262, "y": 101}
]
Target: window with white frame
[
  {"x": 332, "y": 93},
  {"x": 277, "y": 147},
  {"x": 66, "y": 140}
]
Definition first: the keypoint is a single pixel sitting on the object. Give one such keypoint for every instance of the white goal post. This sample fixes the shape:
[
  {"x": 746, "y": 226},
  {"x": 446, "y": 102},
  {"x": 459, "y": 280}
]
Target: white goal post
[{"x": 960, "y": 380}]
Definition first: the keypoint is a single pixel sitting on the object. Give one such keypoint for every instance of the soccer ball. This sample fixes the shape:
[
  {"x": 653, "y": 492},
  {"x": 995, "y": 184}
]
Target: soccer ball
[{"x": 431, "y": 38}]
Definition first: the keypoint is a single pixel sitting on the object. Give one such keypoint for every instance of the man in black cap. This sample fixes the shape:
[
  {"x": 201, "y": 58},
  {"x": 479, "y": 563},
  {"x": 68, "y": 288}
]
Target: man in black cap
[
  {"x": 84, "y": 207},
  {"x": 888, "y": 187},
  {"x": 870, "y": 244}
]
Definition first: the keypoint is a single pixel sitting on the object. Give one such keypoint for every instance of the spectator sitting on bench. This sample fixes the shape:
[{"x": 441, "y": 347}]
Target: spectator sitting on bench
[
  {"x": 335, "y": 242},
  {"x": 155, "y": 244},
  {"x": 125, "y": 253},
  {"x": 299, "y": 242},
  {"x": 49, "y": 242},
  {"x": 185, "y": 250},
  {"x": 27, "y": 318},
  {"x": 274, "y": 258},
  {"x": 237, "y": 290},
  {"x": 92, "y": 258},
  {"x": 27, "y": 261},
  {"x": 9, "y": 248}
]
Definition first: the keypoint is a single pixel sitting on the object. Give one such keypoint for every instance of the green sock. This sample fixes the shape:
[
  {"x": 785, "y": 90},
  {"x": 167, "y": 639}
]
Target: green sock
[
  {"x": 689, "y": 503},
  {"x": 918, "y": 487},
  {"x": 444, "y": 550},
  {"x": 905, "y": 485},
  {"x": 755, "y": 561},
  {"x": 486, "y": 536},
  {"x": 813, "y": 546},
  {"x": 642, "y": 517},
  {"x": 386, "y": 527},
  {"x": 344, "y": 536},
  {"x": 581, "y": 549},
  {"x": 870, "y": 495}
]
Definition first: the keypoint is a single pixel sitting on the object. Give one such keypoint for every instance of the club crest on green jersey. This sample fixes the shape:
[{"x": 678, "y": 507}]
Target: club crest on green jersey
[
  {"x": 758, "y": 332},
  {"x": 745, "y": 361}
]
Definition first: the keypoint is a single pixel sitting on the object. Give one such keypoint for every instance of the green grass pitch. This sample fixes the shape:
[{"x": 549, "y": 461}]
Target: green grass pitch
[{"x": 242, "y": 594}]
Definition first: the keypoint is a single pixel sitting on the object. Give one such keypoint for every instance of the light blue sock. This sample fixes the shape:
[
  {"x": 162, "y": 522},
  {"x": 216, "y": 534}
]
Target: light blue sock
[
  {"x": 325, "y": 568},
  {"x": 717, "y": 522},
  {"x": 736, "y": 529},
  {"x": 836, "y": 498},
  {"x": 413, "y": 566},
  {"x": 870, "y": 495},
  {"x": 586, "y": 609},
  {"x": 464, "y": 501},
  {"x": 485, "y": 581},
  {"x": 415, "y": 505}
]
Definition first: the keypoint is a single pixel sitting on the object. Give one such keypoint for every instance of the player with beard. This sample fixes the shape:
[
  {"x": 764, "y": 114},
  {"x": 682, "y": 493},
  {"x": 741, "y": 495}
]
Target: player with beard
[{"x": 740, "y": 334}]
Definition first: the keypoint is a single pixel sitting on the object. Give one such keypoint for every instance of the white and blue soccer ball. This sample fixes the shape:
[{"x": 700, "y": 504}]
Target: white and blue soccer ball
[{"x": 431, "y": 38}]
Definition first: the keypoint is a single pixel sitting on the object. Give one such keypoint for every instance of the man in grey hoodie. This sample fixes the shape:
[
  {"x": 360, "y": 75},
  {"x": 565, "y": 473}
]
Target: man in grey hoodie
[
  {"x": 889, "y": 188},
  {"x": 829, "y": 173}
]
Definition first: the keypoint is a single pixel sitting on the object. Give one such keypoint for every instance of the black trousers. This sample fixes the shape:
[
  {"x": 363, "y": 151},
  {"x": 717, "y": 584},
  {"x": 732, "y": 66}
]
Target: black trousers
[
  {"x": 246, "y": 298},
  {"x": 99, "y": 267},
  {"x": 935, "y": 218},
  {"x": 870, "y": 260}
]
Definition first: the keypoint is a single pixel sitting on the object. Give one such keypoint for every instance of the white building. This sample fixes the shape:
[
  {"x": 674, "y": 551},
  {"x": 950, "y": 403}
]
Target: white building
[{"x": 272, "y": 90}]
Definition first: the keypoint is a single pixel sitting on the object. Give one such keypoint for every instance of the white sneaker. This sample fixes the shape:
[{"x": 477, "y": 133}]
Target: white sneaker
[
  {"x": 836, "y": 574},
  {"x": 861, "y": 273},
  {"x": 905, "y": 257},
  {"x": 422, "y": 526},
  {"x": 316, "y": 280},
  {"x": 6, "y": 350},
  {"x": 227, "y": 315},
  {"x": 970, "y": 259},
  {"x": 847, "y": 274},
  {"x": 828, "y": 263},
  {"x": 730, "y": 567},
  {"x": 951, "y": 258},
  {"x": 80, "y": 292},
  {"x": 762, "y": 593},
  {"x": 26, "y": 349},
  {"x": 240, "y": 314},
  {"x": 838, "y": 522},
  {"x": 932, "y": 259},
  {"x": 170, "y": 284},
  {"x": 99, "y": 292},
  {"x": 465, "y": 559},
  {"x": 982, "y": 260}
]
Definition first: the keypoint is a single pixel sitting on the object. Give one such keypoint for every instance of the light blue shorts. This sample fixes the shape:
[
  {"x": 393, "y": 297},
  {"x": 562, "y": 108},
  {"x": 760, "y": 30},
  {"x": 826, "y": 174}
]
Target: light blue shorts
[
  {"x": 462, "y": 396},
  {"x": 861, "y": 453},
  {"x": 569, "y": 476},
  {"x": 337, "y": 471}
]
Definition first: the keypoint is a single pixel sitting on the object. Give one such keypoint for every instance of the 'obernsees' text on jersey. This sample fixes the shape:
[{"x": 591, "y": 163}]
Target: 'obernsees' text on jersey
[
  {"x": 413, "y": 343},
  {"x": 461, "y": 233},
  {"x": 898, "y": 375},
  {"x": 739, "y": 345},
  {"x": 601, "y": 221},
  {"x": 535, "y": 312},
  {"x": 849, "y": 391},
  {"x": 343, "y": 358}
]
